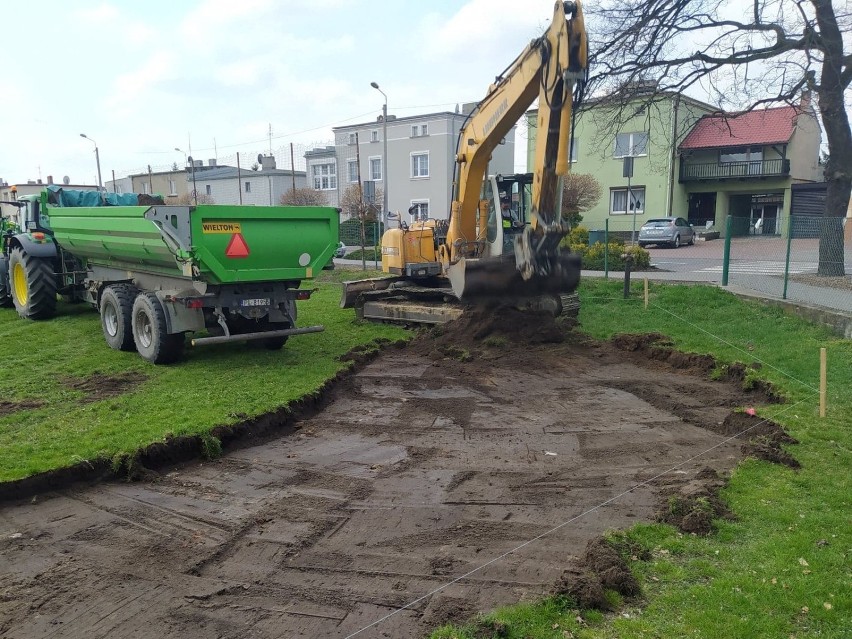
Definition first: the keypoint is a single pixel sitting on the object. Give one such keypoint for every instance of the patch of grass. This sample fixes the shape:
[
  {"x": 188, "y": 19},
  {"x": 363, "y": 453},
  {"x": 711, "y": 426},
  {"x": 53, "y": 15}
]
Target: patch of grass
[
  {"x": 782, "y": 567},
  {"x": 212, "y": 386}
]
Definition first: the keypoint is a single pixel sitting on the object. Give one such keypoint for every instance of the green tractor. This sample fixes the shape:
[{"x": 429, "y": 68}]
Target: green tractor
[{"x": 27, "y": 264}]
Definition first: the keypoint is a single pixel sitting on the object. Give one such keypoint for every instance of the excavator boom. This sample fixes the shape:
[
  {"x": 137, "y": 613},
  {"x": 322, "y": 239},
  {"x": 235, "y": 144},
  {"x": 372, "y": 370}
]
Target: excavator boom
[
  {"x": 547, "y": 69},
  {"x": 480, "y": 252}
]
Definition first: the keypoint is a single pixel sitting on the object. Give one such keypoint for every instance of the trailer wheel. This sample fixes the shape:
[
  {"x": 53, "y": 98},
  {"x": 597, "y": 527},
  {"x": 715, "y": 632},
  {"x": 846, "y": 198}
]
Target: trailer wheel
[
  {"x": 33, "y": 284},
  {"x": 5, "y": 293},
  {"x": 153, "y": 342},
  {"x": 116, "y": 309},
  {"x": 274, "y": 343}
]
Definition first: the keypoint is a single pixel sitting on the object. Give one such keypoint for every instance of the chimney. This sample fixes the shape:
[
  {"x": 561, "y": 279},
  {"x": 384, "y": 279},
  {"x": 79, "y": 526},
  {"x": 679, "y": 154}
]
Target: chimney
[
  {"x": 211, "y": 162},
  {"x": 50, "y": 179}
]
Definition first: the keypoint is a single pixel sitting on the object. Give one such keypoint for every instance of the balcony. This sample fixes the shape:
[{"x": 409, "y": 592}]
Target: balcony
[{"x": 694, "y": 172}]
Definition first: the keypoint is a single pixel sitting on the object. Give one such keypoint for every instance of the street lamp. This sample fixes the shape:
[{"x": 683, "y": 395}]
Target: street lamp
[
  {"x": 384, "y": 154},
  {"x": 98, "y": 161},
  {"x": 188, "y": 160}
]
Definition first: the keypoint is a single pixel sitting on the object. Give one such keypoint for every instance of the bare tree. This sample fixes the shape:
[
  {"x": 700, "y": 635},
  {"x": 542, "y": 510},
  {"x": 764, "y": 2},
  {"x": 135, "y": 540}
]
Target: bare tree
[
  {"x": 745, "y": 55},
  {"x": 187, "y": 200},
  {"x": 351, "y": 203},
  {"x": 303, "y": 197},
  {"x": 580, "y": 192}
]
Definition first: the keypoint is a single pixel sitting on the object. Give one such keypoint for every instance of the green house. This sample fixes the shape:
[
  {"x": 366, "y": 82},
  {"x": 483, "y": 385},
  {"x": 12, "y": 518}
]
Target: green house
[{"x": 689, "y": 161}]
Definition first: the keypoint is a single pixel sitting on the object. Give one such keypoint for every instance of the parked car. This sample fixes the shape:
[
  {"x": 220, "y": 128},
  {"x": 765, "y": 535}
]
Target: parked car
[
  {"x": 673, "y": 231},
  {"x": 340, "y": 251}
]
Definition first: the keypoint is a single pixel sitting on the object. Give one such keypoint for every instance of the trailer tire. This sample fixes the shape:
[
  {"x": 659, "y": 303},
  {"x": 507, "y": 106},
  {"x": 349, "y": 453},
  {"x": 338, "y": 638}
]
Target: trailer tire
[
  {"x": 274, "y": 343},
  {"x": 5, "y": 292},
  {"x": 150, "y": 332},
  {"x": 116, "y": 308},
  {"x": 33, "y": 285}
]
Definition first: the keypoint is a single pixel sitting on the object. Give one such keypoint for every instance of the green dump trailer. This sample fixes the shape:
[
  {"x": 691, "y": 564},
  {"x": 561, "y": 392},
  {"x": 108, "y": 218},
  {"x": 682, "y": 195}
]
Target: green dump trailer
[{"x": 157, "y": 273}]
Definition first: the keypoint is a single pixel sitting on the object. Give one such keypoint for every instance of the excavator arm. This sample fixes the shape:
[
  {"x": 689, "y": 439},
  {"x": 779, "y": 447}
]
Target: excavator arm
[{"x": 547, "y": 69}]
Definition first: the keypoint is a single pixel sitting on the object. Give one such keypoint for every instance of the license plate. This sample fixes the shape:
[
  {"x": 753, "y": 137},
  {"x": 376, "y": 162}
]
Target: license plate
[{"x": 261, "y": 301}]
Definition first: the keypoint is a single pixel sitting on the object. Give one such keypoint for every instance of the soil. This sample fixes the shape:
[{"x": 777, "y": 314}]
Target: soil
[
  {"x": 7, "y": 408},
  {"x": 98, "y": 386},
  {"x": 433, "y": 482}
]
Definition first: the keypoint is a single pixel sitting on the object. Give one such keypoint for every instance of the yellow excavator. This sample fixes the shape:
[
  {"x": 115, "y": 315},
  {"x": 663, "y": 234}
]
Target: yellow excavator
[{"x": 501, "y": 242}]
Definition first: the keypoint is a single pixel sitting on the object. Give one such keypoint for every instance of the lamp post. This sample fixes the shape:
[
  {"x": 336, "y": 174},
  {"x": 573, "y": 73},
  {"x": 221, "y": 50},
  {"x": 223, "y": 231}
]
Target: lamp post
[
  {"x": 98, "y": 161},
  {"x": 188, "y": 160},
  {"x": 384, "y": 155}
]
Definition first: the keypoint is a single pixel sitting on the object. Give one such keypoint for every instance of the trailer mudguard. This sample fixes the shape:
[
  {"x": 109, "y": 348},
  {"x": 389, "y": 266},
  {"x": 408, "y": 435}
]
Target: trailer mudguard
[{"x": 44, "y": 248}]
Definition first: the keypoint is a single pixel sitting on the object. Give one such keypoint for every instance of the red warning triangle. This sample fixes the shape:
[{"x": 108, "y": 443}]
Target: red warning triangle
[{"x": 237, "y": 247}]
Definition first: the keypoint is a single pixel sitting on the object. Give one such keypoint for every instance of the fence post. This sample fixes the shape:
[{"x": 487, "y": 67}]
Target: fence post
[
  {"x": 606, "y": 249},
  {"x": 726, "y": 260},
  {"x": 787, "y": 259},
  {"x": 376, "y": 242}
]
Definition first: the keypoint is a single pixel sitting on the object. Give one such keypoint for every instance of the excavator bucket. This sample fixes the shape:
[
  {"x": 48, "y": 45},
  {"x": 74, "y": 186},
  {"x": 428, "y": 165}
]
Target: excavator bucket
[{"x": 498, "y": 278}]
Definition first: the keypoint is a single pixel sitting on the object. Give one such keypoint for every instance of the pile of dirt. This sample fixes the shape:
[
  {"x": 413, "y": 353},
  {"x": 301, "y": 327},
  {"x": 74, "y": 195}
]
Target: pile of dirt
[
  {"x": 601, "y": 568},
  {"x": 98, "y": 386},
  {"x": 693, "y": 507},
  {"x": 481, "y": 327}
]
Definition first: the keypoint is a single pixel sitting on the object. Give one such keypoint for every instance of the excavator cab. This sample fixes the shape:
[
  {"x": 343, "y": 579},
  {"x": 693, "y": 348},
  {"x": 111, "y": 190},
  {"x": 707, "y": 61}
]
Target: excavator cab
[{"x": 508, "y": 198}]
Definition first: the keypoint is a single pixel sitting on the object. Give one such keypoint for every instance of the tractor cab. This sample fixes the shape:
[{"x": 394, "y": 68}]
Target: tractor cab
[{"x": 30, "y": 216}]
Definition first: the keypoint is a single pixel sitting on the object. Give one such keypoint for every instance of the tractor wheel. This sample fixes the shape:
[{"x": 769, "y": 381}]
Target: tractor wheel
[
  {"x": 5, "y": 293},
  {"x": 116, "y": 316},
  {"x": 33, "y": 284},
  {"x": 153, "y": 342}
]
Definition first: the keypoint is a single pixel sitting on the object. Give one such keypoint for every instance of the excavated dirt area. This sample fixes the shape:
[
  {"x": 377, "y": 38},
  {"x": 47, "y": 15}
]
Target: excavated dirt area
[{"x": 429, "y": 462}]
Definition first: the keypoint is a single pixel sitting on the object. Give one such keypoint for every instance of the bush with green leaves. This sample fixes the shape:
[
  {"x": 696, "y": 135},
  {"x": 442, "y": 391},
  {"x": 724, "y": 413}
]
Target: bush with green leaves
[{"x": 610, "y": 255}]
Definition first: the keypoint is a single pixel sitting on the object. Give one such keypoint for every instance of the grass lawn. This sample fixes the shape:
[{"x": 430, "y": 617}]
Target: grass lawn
[
  {"x": 213, "y": 385},
  {"x": 783, "y": 568}
]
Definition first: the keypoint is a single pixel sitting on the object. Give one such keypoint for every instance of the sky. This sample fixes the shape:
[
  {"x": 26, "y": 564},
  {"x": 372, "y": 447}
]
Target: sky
[{"x": 143, "y": 78}]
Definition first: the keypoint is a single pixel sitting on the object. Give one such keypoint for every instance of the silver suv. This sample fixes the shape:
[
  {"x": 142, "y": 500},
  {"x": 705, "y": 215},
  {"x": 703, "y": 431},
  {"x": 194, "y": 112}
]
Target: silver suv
[{"x": 673, "y": 231}]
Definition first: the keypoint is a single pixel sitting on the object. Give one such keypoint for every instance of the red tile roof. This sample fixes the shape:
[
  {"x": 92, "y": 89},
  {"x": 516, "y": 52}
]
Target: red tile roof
[{"x": 755, "y": 128}]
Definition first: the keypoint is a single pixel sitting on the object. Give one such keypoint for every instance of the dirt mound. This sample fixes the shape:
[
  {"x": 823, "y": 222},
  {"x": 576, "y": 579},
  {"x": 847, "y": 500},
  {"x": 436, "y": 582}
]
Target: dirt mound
[
  {"x": 98, "y": 386},
  {"x": 694, "y": 506},
  {"x": 483, "y": 327},
  {"x": 600, "y": 569}
]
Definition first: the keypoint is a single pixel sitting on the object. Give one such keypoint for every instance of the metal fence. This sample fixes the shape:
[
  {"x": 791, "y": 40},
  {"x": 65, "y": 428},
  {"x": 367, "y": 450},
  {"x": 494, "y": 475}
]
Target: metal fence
[{"x": 805, "y": 259}]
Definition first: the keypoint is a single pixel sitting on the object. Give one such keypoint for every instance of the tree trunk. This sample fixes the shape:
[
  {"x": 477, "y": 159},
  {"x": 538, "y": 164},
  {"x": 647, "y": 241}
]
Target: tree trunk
[
  {"x": 831, "y": 253},
  {"x": 838, "y": 170}
]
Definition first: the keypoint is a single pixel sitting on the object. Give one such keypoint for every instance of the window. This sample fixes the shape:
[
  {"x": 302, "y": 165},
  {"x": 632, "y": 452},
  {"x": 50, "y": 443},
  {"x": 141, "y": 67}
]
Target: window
[
  {"x": 172, "y": 187},
  {"x": 618, "y": 201},
  {"x": 248, "y": 187},
  {"x": 419, "y": 130},
  {"x": 632, "y": 144},
  {"x": 374, "y": 135},
  {"x": 208, "y": 189},
  {"x": 353, "y": 139},
  {"x": 325, "y": 176},
  {"x": 352, "y": 170},
  {"x": 575, "y": 144},
  {"x": 742, "y": 160},
  {"x": 375, "y": 168},
  {"x": 419, "y": 165},
  {"x": 419, "y": 210}
]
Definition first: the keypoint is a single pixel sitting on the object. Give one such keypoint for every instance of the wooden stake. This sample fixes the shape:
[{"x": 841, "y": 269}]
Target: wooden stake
[
  {"x": 822, "y": 380},
  {"x": 646, "y": 293}
]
